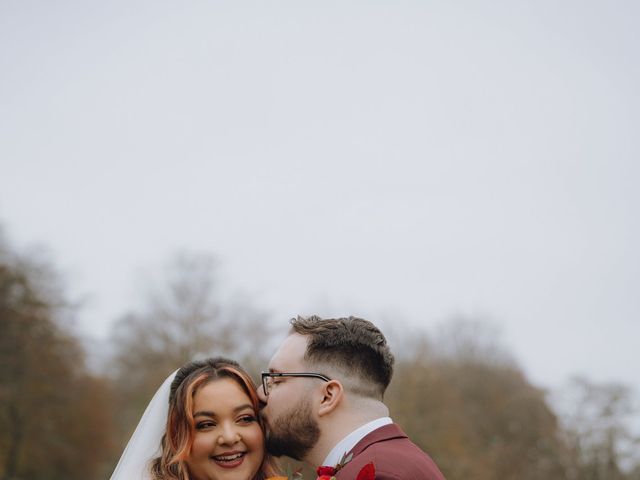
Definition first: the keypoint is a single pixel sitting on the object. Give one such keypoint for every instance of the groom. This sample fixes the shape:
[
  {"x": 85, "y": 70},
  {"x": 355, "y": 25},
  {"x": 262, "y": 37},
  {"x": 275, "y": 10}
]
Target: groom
[{"x": 323, "y": 402}]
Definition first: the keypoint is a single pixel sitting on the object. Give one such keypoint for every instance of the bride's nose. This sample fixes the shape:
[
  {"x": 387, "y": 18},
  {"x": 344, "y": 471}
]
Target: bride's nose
[{"x": 228, "y": 434}]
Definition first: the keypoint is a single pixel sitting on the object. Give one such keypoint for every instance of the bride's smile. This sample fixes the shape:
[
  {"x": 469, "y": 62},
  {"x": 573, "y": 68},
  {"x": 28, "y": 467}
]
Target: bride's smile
[{"x": 230, "y": 459}]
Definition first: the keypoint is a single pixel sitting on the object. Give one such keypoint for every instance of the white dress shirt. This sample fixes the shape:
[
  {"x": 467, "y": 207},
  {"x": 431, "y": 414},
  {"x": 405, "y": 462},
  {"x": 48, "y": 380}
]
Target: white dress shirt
[{"x": 348, "y": 442}]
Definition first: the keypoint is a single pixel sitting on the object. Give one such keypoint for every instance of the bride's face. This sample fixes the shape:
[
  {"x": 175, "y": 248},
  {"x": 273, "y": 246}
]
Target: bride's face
[{"x": 228, "y": 443}]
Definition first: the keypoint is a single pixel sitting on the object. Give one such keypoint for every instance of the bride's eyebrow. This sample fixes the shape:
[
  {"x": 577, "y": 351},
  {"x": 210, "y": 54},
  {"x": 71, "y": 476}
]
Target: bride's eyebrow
[
  {"x": 205, "y": 413},
  {"x": 238, "y": 409}
]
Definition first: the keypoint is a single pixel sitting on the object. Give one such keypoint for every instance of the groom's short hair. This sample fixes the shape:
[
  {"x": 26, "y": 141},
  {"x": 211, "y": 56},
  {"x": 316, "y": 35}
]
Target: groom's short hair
[{"x": 352, "y": 346}]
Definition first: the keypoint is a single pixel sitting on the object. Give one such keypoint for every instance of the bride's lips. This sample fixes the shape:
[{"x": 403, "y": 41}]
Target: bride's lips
[{"x": 229, "y": 459}]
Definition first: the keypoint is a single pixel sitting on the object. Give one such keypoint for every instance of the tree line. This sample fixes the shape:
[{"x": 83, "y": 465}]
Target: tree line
[{"x": 459, "y": 395}]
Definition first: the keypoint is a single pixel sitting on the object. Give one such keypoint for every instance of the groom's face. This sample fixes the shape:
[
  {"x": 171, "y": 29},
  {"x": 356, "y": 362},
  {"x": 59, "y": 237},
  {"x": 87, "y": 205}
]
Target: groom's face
[{"x": 292, "y": 428}]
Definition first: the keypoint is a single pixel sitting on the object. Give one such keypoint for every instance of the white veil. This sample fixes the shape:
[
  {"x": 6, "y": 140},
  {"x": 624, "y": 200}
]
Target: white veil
[{"x": 144, "y": 444}]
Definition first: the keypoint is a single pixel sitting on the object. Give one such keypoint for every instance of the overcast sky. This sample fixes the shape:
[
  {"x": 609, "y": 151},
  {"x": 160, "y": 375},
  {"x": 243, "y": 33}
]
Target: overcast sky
[{"x": 413, "y": 159}]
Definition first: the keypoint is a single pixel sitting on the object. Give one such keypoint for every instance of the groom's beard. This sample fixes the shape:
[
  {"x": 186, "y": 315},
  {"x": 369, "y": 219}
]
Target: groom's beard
[{"x": 294, "y": 433}]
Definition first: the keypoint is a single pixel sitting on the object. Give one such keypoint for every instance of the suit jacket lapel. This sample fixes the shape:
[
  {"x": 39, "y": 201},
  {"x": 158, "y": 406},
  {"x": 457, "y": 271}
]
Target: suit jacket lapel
[{"x": 386, "y": 432}]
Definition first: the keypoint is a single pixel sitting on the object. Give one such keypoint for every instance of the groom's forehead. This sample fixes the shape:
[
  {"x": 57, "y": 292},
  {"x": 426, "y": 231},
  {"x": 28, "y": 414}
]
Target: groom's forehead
[{"x": 289, "y": 354}]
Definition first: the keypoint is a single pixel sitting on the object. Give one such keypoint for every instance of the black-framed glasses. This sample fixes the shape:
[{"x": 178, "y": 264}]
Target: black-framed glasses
[{"x": 267, "y": 378}]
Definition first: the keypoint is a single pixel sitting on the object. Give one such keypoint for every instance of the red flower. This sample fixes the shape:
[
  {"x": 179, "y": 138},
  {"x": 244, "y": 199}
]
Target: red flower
[
  {"x": 368, "y": 472},
  {"x": 328, "y": 471}
]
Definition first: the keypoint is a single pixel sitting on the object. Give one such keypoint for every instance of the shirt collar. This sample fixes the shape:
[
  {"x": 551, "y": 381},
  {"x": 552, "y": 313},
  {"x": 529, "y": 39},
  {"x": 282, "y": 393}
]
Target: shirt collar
[{"x": 350, "y": 441}]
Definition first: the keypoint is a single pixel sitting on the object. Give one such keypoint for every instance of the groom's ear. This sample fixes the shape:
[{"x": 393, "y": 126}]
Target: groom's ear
[{"x": 332, "y": 393}]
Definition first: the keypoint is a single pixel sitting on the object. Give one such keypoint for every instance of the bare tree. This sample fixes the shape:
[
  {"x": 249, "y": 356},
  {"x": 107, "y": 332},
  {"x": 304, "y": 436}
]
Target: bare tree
[
  {"x": 597, "y": 428},
  {"x": 182, "y": 317},
  {"x": 48, "y": 426},
  {"x": 466, "y": 402}
]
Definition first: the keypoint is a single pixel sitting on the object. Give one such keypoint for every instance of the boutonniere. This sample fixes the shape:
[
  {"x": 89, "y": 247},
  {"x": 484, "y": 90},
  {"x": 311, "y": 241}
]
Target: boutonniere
[
  {"x": 368, "y": 472},
  {"x": 328, "y": 473}
]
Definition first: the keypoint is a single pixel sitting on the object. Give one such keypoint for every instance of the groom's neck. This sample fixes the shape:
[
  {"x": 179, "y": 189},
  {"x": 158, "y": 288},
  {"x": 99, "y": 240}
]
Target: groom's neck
[{"x": 341, "y": 423}]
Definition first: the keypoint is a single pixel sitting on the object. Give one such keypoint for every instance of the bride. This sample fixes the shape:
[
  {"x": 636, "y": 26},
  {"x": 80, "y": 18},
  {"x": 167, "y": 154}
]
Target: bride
[{"x": 204, "y": 419}]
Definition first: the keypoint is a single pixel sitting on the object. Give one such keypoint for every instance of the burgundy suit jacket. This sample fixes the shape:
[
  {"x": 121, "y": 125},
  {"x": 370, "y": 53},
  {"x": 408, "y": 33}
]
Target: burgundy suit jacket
[{"x": 394, "y": 456}]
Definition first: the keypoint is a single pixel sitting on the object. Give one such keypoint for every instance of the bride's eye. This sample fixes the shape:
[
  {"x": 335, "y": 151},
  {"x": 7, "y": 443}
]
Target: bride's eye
[
  {"x": 205, "y": 425},
  {"x": 247, "y": 419}
]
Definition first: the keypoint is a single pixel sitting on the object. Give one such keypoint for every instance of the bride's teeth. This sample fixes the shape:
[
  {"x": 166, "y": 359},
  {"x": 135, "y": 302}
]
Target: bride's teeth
[{"x": 228, "y": 458}]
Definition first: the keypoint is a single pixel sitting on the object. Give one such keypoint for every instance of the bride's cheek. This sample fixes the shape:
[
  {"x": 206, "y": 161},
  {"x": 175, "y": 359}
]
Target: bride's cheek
[
  {"x": 199, "y": 444},
  {"x": 257, "y": 438}
]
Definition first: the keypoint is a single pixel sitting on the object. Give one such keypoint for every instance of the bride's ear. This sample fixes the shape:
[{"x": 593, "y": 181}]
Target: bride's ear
[{"x": 332, "y": 394}]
